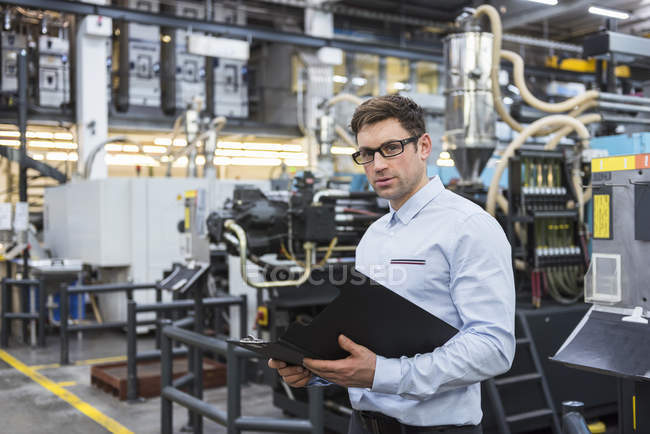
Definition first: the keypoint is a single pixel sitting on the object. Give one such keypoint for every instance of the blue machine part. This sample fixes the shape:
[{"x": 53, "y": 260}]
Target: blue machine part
[
  {"x": 623, "y": 144},
  {"x": 73, "y": 306}
]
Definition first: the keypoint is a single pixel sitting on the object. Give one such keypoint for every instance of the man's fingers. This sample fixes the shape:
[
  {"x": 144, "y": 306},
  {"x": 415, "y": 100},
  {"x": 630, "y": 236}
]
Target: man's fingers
[
  {"x": 348, "y": 344},
  {"x": 297, "y": 380},
  {"x": 276, "y": 364},
  {"x": 292, "y": 370}
]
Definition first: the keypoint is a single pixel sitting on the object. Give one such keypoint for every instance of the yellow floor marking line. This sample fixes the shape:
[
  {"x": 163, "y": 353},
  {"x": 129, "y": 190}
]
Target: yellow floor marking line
[
  {"x": 110, "y": 424},
  {"x": 66, "y": 383},
  {"x": 39, "y": 367}
]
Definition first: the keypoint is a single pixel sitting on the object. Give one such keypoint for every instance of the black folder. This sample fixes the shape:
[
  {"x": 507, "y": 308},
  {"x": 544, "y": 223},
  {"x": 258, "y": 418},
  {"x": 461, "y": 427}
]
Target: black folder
[{"x": 369, "y": 314}]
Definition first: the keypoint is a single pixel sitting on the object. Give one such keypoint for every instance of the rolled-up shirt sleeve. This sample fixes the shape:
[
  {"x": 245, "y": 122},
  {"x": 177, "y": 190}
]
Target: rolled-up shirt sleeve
[{"x": 482, "y": 290}]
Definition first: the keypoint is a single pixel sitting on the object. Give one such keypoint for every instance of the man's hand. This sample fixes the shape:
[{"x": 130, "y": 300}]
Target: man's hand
[
  {"x": 356, "y": 370},
  {"x": 294, "y": 376}
]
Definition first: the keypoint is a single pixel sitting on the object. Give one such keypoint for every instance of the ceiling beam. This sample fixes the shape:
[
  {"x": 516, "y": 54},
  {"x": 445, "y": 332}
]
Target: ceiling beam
[{"x": 544, "y": 13}]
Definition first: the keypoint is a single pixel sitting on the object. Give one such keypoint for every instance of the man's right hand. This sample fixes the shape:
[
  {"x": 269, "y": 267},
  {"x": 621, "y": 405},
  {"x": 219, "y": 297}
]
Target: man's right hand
[{"x": 294, "y": 376}]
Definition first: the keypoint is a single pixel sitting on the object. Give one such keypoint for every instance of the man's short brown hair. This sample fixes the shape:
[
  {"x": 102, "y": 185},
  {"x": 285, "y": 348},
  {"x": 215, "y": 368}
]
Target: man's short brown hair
[{"x": 405, "y": 110}]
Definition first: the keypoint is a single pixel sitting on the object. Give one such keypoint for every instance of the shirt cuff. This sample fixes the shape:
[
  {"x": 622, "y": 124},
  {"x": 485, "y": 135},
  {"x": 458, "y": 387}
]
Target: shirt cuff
[
  {"x": 388, "y": 374},
  {"x": 317, "y": 381}
]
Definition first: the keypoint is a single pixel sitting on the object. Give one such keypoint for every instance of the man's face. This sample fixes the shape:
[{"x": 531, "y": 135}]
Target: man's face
[{"x": 394, "y": 178}]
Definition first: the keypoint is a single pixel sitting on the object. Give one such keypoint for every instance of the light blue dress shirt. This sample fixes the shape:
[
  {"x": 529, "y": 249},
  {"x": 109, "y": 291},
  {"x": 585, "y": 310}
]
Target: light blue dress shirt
[{"x": 448, "y": 256}]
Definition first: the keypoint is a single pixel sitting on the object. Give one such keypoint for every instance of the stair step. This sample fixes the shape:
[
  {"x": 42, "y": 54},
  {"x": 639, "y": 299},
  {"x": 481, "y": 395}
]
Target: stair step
[
  {"x": 529, "y": 415},
  {"x": 516, "y": 379}
]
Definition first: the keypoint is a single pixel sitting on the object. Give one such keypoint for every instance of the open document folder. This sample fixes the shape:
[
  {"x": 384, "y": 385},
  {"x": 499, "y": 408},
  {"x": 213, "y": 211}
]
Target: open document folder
[{"x": 369, "y": 314}]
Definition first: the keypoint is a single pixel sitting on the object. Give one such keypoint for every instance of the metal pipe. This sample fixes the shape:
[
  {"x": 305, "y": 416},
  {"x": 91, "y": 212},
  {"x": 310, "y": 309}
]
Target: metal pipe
[
  {"x": 329, "y": 193},
  {"x": 623, "y": 107},
  {"x": 88, "y": 165},
  {"x": 316, "y": 416},
  {"x": 22, "y": 122},
  {"x": 63, "y": 328},
  {"x": 4, "y": 326},
  {"x": 625, "y": 119},
  {"x": 270, "y": 424},
  {"x": 233, "y": 386},
  {"x": 166, "y": 412},
  {"x": 241, "y": 236},
  {"x": 131, "y": 351},
  {"x": 196, "y": 405},
  {"x": 110, "y": 287},
  {"x": 615, "y": 97}
]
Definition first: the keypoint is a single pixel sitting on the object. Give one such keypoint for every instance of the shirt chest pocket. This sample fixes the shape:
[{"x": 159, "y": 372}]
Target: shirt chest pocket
[{"x": 418, "y": 271}]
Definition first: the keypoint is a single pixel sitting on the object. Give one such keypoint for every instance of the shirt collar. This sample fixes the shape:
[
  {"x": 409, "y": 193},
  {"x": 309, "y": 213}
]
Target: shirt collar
[{"x": 416, "y": 202}]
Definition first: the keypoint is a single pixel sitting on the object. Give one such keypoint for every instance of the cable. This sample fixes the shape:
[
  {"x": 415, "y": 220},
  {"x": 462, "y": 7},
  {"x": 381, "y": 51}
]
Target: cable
[{"x": 583, "y": 133}]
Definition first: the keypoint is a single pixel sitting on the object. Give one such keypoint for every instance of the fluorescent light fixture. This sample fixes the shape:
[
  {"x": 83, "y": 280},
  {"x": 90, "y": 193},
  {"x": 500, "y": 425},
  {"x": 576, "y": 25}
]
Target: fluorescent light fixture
[
  {"x": 255, "y": 161},
  {"x": 262, "y": 146},
  {"x": 444, "y": 155},
  {"x": 180, "y": 142},
  {"x": 507, "y": 100},
  {"x": 445, "y": 163},
  {"x": 359, "y": 81},
  {"x": 292, "y": 148},
  {"x": 611, "y": 13},
  {"x": 130, "y": 148},
  {"x": 229, "y": 145},
  {"x": 50, "y": 144},
  {"x": 295, "y": 163},
  {"x": 129, "y": 160},
  {"x": 398, "y": 85},
  {"x": 162, "y": 141},
  {"x": 342, "y": 150},
  {"x": 61, "y": 156},
  {"x": 113, "y": 147},
  {"x": 339, "y": 79},
  {"x": 545, "y": 2},
  {"x": 39, "y": 135},
  {"x": 38, "y": 157},
  {"x": 200, "y": 160},
  {"x": 63, "y": 136},
  {"x": 154, "y": 149},
  {"x": 221, "y": 161},
  {"x": 8, "y": 133},
  {"x": 14, "y": 143}
]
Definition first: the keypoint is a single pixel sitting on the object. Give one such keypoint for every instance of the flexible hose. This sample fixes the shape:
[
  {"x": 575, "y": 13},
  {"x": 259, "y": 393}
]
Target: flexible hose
[
  {"x": 531, "y": 100},
  {"x": 583, "y": 133},
  {"x": 495, "y": 24},
  {"x": 345, "y": 136},
  {"x": 566, "y": 130},
  {"x": 344, "y": 97}
]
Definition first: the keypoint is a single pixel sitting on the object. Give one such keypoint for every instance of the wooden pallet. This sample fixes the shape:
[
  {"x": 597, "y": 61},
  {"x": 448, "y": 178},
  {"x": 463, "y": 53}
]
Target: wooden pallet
[{"x": 111, "y": 377}]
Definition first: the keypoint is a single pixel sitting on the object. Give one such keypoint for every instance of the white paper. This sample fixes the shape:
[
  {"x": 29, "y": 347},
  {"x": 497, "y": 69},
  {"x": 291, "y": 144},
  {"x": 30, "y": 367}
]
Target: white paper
[
  {"x": 21, "y": 218},
  {"x": 5, "y": 216}
]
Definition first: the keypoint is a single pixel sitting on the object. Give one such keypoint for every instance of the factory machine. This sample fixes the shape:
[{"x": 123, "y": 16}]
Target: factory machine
[
  {"x": 288, "y": 248},
  {"x": 613, "y": 338}
]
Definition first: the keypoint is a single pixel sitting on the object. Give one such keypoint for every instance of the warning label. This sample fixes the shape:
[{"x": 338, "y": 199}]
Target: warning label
[{"x": 602, "y": 216}]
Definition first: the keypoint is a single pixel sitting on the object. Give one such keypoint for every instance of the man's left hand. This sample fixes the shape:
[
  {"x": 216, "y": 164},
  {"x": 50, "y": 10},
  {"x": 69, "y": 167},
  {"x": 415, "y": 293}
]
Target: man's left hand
[{"x": 356, "y": 370}]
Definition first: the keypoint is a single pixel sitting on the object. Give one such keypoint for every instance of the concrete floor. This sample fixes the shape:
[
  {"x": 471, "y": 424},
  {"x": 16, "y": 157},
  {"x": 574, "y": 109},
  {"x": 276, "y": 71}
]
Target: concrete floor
[{"x": 27, "y": 407}]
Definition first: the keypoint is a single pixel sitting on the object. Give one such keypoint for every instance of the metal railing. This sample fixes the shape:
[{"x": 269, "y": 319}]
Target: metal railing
[
  {"x": 66, "y": 328},
  {"x": 170, "y": 307},
  {"x": 39, "y": 317},
  {"x": 231, "y": 418}
]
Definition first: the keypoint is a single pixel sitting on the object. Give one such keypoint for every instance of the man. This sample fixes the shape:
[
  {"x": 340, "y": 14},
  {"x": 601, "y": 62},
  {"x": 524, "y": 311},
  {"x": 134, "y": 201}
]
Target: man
[{"x": 458, "y": 267}]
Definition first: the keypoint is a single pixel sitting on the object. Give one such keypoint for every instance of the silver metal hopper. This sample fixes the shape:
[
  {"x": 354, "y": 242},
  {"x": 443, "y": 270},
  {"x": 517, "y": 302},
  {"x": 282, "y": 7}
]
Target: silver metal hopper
[{"x": 470, "y": 118}]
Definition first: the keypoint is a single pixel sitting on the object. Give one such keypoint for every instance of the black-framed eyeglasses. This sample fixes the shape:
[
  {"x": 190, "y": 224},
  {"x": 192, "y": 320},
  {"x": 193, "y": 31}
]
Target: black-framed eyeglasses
[{"x": 386, "y": 150}]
